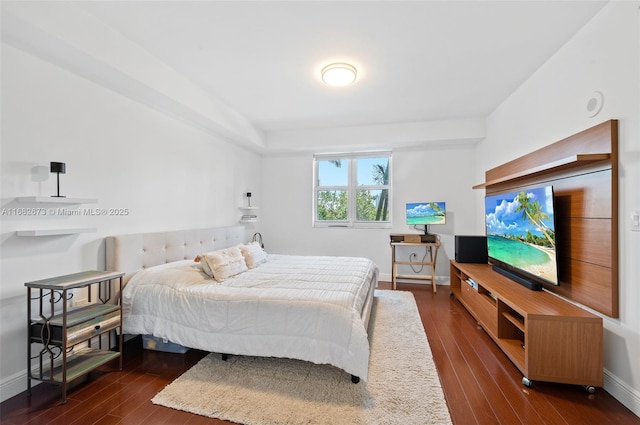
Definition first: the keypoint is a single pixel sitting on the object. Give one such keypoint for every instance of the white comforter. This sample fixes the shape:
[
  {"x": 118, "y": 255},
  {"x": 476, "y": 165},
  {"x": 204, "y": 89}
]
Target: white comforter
[{"x": 300, "y": 307}]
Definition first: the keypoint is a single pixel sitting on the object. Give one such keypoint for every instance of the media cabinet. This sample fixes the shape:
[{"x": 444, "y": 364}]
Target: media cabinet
[
  {"x": 583, "y": 170},
  {"x": 547, "y": 338}
]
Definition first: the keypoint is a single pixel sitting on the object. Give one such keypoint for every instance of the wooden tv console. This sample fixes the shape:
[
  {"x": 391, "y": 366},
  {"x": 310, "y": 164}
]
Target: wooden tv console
[{"x": 547, "y": 338}]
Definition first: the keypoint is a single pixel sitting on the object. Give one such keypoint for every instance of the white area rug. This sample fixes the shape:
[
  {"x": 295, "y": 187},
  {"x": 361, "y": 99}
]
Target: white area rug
[{"x": 403, "y": 386}]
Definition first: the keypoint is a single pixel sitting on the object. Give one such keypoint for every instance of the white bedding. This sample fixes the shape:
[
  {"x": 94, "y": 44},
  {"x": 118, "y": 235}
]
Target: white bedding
[{"x": 307, "y": 308}]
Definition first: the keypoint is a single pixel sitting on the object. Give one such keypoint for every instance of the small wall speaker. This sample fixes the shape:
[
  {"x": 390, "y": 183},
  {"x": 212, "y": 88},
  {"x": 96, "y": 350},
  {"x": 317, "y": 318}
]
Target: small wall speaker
[
  {"x": 594, "y": 104},
  {"x": 471, "y": 249}
]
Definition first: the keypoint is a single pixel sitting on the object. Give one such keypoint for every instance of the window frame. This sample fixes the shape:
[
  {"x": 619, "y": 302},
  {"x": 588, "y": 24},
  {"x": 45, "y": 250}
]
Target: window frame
[{"x": 352, "y": 188}]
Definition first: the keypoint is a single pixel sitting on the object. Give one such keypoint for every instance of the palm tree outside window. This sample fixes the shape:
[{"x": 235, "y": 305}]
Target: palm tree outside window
[{"x": 352, "y": 190}]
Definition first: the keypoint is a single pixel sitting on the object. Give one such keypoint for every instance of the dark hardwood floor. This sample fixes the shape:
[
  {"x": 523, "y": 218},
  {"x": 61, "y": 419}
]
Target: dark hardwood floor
[{"x": 480, "y": 384}]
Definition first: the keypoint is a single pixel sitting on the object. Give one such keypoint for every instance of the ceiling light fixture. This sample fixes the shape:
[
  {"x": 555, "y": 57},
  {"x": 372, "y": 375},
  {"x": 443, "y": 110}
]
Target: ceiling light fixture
[{"x": 339, "y": 74}]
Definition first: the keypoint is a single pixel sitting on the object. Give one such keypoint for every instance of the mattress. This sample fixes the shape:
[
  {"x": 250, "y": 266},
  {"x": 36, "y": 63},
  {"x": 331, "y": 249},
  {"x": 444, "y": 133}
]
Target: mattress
[{"x": 302, "y": 307}]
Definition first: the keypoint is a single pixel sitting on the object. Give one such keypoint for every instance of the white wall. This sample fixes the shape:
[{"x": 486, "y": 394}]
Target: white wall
[
  {"x": 550, "y": 106},
  {"x": 418, "y": 175},
  {"x": 127, "y": 155}
]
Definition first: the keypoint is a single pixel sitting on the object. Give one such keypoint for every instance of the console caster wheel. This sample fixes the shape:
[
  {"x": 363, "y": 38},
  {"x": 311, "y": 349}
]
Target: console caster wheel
[
  {"x": 224, "y": 357},
  {"x": 590, "y": 389},
  {"x": 355, "y": 379},
  {"x": 527, "y": 382}
]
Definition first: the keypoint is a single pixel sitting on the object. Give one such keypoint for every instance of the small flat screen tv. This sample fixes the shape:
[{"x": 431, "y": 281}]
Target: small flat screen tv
[
  {"x": 521, "y": 235},
  {"x": 426, "y": 214}
]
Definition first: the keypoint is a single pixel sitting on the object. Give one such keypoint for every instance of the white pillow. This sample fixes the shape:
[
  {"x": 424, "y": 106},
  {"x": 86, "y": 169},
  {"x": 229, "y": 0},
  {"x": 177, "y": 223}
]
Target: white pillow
[
  {"x": 224, "y": 263},
  {"x": 253, "y": 254},
  {"x": 205, "y": 266}
]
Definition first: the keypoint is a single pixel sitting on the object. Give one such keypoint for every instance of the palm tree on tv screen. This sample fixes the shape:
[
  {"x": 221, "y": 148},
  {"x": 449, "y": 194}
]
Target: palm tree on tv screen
[{"x": 534, "y": 213}]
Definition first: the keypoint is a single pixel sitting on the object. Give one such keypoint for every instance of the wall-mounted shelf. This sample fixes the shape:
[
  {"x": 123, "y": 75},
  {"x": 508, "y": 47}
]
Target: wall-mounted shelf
[
  {"x": 561, "y": 164},
  {"x": 249, "y": 214},
  {"x": 58, "y": 201},
  {"x": 54, "y": 232},
  {"x": 55, "y": 200}
]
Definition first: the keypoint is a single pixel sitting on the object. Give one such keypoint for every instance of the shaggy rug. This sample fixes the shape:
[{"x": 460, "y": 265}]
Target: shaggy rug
[{"x": 403, "y": 386}]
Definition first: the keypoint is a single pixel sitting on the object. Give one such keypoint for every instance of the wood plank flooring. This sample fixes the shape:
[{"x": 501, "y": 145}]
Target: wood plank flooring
[{"x": 480, "y": 384}]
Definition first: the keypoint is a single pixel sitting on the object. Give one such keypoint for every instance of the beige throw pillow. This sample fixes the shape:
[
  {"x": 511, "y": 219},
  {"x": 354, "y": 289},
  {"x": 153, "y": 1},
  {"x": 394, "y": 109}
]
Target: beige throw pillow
[
  {"x": 253, "y": 254},
  {"x": 224, "y": 263}
]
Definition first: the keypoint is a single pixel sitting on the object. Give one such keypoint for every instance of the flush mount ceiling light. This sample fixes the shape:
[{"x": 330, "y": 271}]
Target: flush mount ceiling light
[{"x": 339, "y": 74}]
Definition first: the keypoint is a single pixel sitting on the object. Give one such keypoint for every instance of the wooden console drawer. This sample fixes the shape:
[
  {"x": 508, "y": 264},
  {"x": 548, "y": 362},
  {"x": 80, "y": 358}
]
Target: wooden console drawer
[
  {"x": 482, "y": 306},
  {"x": 93, "y": 327},
  {"x": 79, "y": 328}
]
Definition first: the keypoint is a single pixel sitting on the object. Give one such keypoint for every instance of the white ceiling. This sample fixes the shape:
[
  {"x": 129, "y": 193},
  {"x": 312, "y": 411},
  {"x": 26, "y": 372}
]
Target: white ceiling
[{"x": 417, "y": 61}]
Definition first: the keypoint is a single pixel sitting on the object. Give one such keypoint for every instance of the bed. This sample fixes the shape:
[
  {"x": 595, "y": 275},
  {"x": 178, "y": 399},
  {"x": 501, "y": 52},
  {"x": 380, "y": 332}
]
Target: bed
[{"x": 312, "y": 308}]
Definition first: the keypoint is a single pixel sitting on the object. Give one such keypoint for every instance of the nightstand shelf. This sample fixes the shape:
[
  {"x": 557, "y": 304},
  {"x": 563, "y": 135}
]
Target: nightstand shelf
[
  {"x": 249, "y": 214},
  {"x": 77, "y": 365},
  {"x": 73, "y": 341},
  {"x": 41, "y": 211},
  {"x": 55, "y": 200},
  {"x": 54, "y": 232}
]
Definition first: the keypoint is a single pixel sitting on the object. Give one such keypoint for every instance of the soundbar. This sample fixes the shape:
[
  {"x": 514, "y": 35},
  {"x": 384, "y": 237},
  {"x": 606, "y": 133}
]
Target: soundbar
[{"x": 527, "y": 283}]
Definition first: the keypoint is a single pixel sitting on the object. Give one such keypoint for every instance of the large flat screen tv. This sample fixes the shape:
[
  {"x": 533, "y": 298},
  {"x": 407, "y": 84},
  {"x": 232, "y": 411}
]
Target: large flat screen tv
[
  {"x": 426, "y": 214},
  {"x": 521, "y": 236}
]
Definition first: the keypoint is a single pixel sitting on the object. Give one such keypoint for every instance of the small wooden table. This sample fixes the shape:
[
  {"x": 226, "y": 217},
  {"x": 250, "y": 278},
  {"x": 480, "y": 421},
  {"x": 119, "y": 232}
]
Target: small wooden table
[{"x": 430, "y": 261}]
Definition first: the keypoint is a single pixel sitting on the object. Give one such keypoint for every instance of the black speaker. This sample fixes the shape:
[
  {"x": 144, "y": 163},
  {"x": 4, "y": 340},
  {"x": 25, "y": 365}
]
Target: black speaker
[{"x": 471, "y": 249}]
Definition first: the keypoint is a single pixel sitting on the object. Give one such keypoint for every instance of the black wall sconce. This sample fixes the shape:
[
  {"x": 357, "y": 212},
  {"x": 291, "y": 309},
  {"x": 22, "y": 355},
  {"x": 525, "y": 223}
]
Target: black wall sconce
[{"x": 58, "y": 168}]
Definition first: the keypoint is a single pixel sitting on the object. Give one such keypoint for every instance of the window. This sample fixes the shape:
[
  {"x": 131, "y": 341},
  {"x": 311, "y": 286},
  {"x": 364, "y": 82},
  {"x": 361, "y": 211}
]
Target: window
[{"x": 352, "y": 190}]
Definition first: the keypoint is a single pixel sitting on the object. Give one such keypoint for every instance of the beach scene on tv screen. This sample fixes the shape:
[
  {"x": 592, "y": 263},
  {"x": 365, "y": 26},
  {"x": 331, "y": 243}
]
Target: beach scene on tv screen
[
  {"x": 521, "y": 232},
  {"x": 426, "y": 213}
]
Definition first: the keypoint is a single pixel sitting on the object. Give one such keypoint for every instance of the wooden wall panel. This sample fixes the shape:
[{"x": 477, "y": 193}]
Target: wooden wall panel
[
  {"x": 585, "y": 195},
  {"x": 586, "y": 240},
  {"x": 583, "y": 282},
  {"x": 586, "y": 208}
]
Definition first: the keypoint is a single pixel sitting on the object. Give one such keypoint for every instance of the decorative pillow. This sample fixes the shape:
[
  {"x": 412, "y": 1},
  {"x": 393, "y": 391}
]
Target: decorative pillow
[
  {"x": 253, "y": 254},
  {"x": 224, "y": 263},
  {"x": 205, "y": 266}
]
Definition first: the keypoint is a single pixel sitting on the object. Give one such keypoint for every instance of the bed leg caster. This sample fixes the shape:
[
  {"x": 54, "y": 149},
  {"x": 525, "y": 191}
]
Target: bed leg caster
[
  {"x": 355, "y": 379},
  {"x": 225, "y": 357}
]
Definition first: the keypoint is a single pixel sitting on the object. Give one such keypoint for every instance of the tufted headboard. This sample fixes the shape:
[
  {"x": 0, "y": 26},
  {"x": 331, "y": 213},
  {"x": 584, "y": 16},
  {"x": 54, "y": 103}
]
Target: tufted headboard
[{"x": 133, "y": 252}]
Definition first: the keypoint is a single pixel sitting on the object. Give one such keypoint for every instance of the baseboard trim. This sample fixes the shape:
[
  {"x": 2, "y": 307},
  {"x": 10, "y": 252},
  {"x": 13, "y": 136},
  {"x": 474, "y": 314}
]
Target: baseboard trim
[
  {"x": 14, "y": 385},
  {"x": 622, "y": 392}
]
